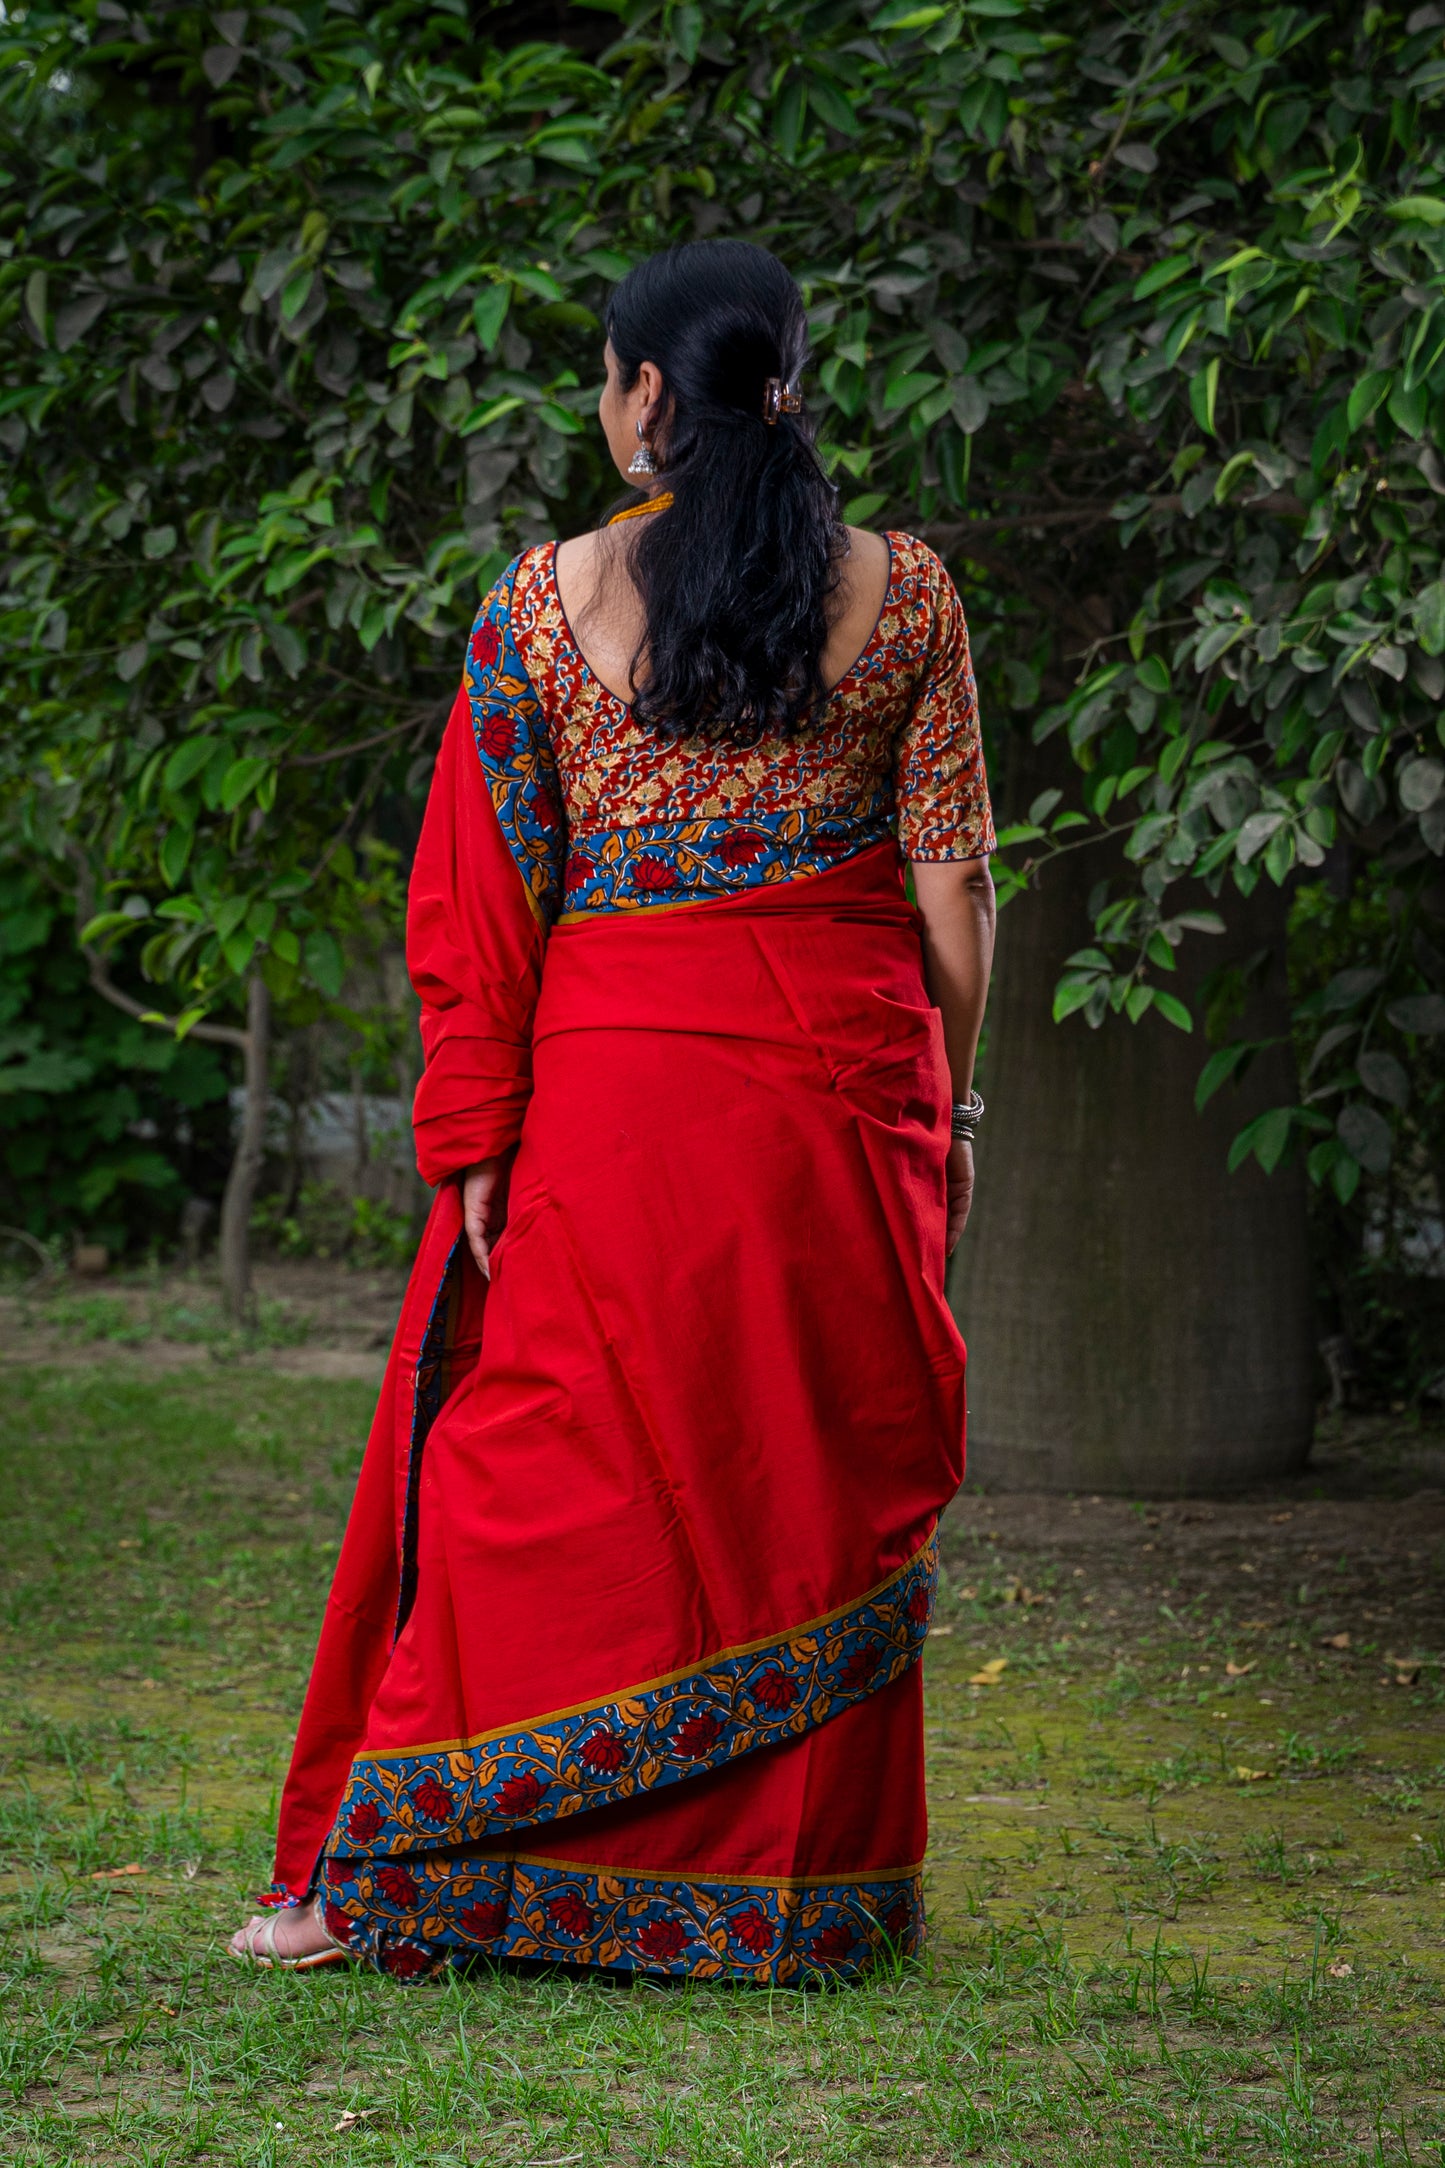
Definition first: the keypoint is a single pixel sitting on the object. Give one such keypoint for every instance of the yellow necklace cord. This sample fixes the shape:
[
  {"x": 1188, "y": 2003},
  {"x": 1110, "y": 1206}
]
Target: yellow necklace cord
[{"x": 659, "y": 503}]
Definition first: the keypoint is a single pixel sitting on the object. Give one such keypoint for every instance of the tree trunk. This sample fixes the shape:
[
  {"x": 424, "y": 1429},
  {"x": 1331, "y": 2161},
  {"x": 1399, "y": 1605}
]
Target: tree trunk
[
  {"x": 246, "y": 1165},
  {"x": 1138, "y": 1319}
]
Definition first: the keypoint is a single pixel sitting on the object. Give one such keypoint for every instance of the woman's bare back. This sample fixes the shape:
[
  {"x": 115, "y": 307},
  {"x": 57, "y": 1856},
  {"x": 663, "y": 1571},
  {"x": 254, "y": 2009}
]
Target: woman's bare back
[{"x": 604, "y": 609}]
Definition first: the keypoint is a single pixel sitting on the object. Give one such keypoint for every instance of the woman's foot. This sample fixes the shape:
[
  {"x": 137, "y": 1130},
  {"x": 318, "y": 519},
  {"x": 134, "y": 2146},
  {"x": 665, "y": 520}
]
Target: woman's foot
[{"x": 292, "y": 1938}]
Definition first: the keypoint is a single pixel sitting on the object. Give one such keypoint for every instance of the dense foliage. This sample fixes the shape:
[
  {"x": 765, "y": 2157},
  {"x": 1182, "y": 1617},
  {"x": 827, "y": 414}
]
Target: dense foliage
[
  {"x": 1141, "y": 317},
  {"x": 104, "y": 1123}
]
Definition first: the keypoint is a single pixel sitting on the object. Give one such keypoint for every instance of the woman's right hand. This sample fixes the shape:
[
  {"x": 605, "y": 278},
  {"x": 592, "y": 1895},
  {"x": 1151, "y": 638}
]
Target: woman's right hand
[
  {"x": 959, "y": 1172},
  {"x": 484, "y": 1208}
]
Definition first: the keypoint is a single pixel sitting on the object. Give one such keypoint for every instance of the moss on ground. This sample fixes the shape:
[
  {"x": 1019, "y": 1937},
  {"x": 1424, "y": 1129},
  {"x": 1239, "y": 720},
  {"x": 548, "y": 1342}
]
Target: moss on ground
[{"x": 1187, "y": 1879}]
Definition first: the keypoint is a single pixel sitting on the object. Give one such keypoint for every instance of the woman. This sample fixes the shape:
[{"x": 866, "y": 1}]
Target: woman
[{"x": 620, "y": 1663}]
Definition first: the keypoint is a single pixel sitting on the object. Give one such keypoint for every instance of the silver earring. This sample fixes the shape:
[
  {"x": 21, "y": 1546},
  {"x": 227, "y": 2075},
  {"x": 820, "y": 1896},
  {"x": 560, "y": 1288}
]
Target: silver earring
[{"x": 642, "y": 461}]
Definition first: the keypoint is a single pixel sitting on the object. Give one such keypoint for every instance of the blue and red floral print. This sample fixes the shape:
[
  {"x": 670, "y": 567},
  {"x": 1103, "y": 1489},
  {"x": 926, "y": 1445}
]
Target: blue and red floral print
[
  {"x": 412, "y": 1918},
  {"x": 643, "y": 1738}
]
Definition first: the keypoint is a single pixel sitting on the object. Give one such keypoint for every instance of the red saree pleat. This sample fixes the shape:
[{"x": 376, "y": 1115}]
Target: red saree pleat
[{"x": 656, "y": 1514}]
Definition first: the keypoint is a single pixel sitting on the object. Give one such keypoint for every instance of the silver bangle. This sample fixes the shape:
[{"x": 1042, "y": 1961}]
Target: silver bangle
[{"x": 965, "y": 1116}]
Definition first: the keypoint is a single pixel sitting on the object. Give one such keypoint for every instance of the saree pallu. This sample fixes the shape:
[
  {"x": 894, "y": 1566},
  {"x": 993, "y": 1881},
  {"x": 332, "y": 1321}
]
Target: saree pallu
[{"x": 621, "y": 1662}]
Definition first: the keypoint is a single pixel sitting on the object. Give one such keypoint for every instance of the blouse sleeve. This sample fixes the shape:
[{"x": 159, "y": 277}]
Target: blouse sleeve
[
  {"x": 939, "y": 780},
  {"x": 478, "y": 907}
]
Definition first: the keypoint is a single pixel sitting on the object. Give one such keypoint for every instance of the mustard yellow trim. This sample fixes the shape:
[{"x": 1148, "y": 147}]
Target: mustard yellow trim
[
  {"x": 648, "y": 1686},
  {"x": 659, "y": 503}
]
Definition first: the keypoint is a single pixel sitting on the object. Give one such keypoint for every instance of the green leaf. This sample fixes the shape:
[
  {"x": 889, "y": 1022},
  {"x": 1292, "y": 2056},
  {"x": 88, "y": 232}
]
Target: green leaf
[
  {"x": 240, "y": 780},
  {"x": 1426, "y": 210},
  {"x": 36, "y": 287},
  {"x": 1255, "y": 833},
  {"x": 540, "y": 283},
  {"x": 1071, "y": 994},
  {"x": 187, "y": 761},
  {"x": 1203, "y": 392},
  {"x": 174, "y": 853},
  {"x": 903, "y": 391},
  {"x": 1384, "y": 1076},
  {"x": 1408, "y": 409},
  {"x": 1366, "y": 1136},
  {"x": 1160, "y": 275},
  {"x": 489, "y": 313},
  {"x": 1172, "y": 1009},
  {"x": 907, "y": 15},
  {"x": 1366, "y": 396},
  {"x": 238, "y": 949},
  {"x": 1345, "y": 1175},
  {"x": 789, "y": 113},
  {"x": 1271, "y": 1137},
  {"x": 1430, "y": 618},
  {"x": 1233, "y": 470},
  {"x": 831, "y": 107},
  {"x": 969, "y": 405},
  {"x": 1153, "y": 674},
  {"x": 1266, "y": 1137},
  {"x": 1419, "y": 1014},
  {"x": 492, "y": 410},
  {"x": 324, "y": 961},
  {"x": 1220, "y": 1067}
]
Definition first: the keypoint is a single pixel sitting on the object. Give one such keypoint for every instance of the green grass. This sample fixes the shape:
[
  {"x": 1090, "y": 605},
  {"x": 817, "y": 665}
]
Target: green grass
[
  {"x": 145, "y": 1312},
  {"x": 1139, "y": 1954}
]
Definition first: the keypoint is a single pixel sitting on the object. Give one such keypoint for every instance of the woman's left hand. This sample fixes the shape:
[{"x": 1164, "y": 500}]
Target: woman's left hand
[{"x": 959, "y": 1171}]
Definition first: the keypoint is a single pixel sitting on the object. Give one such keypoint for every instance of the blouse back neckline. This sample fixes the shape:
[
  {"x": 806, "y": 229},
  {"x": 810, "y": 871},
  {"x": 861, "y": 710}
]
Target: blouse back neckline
[{"x": 839, "y": 686}]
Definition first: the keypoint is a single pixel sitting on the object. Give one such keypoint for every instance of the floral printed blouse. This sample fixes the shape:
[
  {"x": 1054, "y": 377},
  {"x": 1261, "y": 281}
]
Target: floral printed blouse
[{"x": 601, "y": 814}]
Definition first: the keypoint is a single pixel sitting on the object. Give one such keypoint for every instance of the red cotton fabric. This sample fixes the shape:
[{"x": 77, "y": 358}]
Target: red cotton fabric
[{"x": 712, "y": 1397}]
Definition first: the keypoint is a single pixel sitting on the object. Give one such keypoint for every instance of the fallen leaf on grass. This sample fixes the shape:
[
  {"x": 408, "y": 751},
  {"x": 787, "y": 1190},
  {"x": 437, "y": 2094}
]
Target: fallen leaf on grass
[
  {"x": 1335, "y": 1641},
  {"x": 1233, "y": 1670},
  {"x": 936, "y": 1633},
  {"x": 991, "y": 1674},
  {"x": 111, "y": 1874},
  {"x": 1253, "y": 1776},
  {"x": 969, "y": 1595},
  {"x": 1407, "y": 1671},
  {"x": 1255, "y": 1625},
  {"x": 350, "y": 2117},
  {"x": 1017, "y": 1593},
  {"x": 1280, "y": 1518},
  {"x": 1339, "y": 1970}
]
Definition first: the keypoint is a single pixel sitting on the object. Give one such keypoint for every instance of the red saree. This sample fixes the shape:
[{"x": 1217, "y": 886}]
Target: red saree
[{"x": 620, "y": 1662}]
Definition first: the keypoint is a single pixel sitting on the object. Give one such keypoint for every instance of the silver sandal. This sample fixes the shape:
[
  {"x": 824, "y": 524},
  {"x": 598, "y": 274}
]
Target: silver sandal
[{"x": 262, "y": 1952}]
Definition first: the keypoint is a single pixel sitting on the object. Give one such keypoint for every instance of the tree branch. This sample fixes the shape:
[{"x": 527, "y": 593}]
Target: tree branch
[
  {"x": 340, "y": 752},
  {"x": 105, "y": 986}
]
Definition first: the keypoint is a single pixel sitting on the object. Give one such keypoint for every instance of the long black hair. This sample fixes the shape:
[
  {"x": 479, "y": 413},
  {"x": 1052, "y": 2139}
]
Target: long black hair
[{"x": 736, "y": 575}]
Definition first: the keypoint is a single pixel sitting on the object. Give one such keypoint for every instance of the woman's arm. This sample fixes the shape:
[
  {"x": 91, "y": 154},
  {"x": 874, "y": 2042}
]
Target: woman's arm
[{"x": 955, "y": 901}]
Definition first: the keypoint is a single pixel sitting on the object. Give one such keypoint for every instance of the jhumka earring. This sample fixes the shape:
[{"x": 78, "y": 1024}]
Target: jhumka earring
[{"x": 642, "y": 461}]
